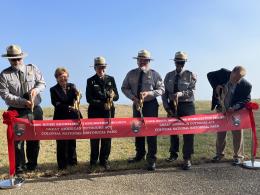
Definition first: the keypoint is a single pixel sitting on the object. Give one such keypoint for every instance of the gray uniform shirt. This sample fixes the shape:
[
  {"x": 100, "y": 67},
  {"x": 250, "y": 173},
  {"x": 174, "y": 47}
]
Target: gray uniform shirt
[
  {"x": 152, "y": 82},
  {"x": 186, "y": 86},
  {"x": 11, "y": 89}
]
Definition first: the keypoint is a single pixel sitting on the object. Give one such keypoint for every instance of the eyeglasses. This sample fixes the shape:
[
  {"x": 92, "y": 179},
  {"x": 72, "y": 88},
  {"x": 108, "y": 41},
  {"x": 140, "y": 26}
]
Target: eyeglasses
[{"x": 16, "y": 59}]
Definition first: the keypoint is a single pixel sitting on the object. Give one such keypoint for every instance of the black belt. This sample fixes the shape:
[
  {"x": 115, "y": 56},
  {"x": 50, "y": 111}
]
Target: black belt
[
  {"x": 183, "y": 102},
  {"x": 20, "y": 109},
  {"x": 151, "y": 101}
]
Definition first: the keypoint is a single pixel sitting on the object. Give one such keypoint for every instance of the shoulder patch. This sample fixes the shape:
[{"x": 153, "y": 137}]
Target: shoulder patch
[
  {"x": 133, "y": 70},
  {"x": 187, "y": 71},
  {"x": 31, "y": 65}
]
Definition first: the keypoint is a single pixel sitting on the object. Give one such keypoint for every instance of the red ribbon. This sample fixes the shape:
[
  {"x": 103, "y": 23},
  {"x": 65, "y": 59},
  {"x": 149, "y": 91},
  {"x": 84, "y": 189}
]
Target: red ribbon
[
  {"x": 253, "y": 106},
  {"x": 8, "y": 118}
]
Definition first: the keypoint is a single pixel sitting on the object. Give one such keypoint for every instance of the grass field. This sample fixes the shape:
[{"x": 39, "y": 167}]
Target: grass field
[{"x": 122, "y": 148}]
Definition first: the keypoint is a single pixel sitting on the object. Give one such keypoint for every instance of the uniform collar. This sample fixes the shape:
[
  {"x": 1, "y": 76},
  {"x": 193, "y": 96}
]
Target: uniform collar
[
  {"x": 145, "y": 72},
  {"x": 179, "y": 73},
  {"x": 104, "y": 78},
  {"x": 22, "y": 68}
]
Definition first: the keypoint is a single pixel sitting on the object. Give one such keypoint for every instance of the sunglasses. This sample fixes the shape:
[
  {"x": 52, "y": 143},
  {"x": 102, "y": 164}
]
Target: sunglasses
[
  {"x": 100, "y": 67},
  {"x": 180, "y": 63},
  {"x": 16, "y": 59},
  {"x": 144, "y": 60}
]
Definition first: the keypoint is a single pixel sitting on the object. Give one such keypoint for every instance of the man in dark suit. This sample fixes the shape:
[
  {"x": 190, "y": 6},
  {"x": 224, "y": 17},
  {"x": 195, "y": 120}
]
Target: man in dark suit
[{"x": 230, "y": 93}]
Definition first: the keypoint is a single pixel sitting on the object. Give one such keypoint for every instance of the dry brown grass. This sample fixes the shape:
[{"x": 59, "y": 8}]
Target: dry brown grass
[{"x": 122, "y": 148}]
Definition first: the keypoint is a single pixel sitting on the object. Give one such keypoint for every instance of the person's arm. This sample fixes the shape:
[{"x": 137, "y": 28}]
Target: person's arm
[
  {"x": 74, "y": 91},
  {"x": 53, "y": 97},
  {"x": 116, "y": 97},
  {"x": 56, "y": 101},
  {"x": 165, "y": 96},
  {"x": 39, "y": 80},
  {"x": 215, "y": 80},
  {"x": 189, "y": 92},
  {"x": 126, "y": 88},
  {"x": 10, "y": 99},
  {"x": 245, "y": 98},
  {"x": 159, "y": 86}
]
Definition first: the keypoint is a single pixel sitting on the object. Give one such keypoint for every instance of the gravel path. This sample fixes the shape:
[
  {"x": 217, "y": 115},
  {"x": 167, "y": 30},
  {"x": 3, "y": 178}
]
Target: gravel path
[{"x": 220, "y": 178}]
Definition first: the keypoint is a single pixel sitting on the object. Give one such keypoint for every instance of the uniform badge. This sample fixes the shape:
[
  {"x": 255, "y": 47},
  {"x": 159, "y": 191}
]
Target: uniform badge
[
  {"x": 109, "y": 83},
  {"x": 136, "y": 126},
  {"x": 19, "y": 129},
  {"x": 236, "y": 120}
]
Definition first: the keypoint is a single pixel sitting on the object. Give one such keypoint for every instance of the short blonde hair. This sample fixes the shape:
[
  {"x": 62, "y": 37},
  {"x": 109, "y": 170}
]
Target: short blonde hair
[
  {"x": 239, "y": 70},
  {"x": 59, "y": 71}
]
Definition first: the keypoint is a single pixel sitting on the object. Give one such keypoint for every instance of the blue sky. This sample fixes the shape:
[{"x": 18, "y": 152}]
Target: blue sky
[{"x": 214, "y": 33}]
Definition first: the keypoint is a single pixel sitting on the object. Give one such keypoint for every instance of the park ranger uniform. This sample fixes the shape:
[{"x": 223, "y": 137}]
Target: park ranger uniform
[
  {"x": 97, "y": 95},
  {"x": 137, "y": 81},
  {"x": 184, "y": 84},
  {"x": 15, "y": 86}
]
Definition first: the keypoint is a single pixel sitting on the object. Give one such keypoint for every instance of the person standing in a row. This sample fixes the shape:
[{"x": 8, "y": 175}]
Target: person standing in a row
[
  {"x": 63, "y": 97},
  {"x": 20, "y": 87},
  {"x": 178, "y": 101},
  {"x": 101, "y": 91},
  {"x": 142, "y": 85},
  {"x": 230, "y": 93}
]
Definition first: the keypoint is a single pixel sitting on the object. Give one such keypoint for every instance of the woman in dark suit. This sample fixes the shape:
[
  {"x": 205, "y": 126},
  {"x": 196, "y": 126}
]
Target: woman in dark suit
[{"x": 63, "y": 96}]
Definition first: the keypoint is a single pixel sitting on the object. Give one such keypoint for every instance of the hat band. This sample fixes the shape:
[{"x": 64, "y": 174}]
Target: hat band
[
  {"x": 143, "y": 57},
  {"x": 179, "y": 59},
  {"x": 14, "y": 55}
]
